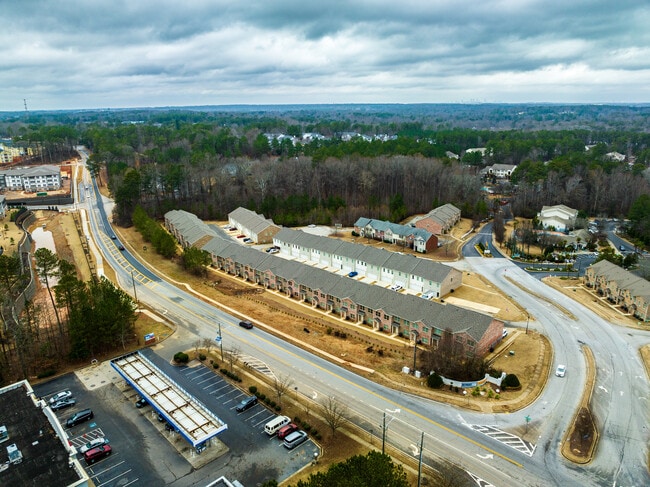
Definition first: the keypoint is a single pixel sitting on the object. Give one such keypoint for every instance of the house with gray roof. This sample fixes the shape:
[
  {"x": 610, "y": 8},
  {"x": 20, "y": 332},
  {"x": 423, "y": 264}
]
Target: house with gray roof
[
  {"x": 391, "y": 312},
  {"x": 414, "y": 238},
  {"x": 412, "y": 273},
  {"x": 259, "y": 229},
  {"x": 189, "y": 230},
  {"x": 31, "y": 179},
  {"x": 620, "y": 287},
  {"x": 438, "y": 221}
]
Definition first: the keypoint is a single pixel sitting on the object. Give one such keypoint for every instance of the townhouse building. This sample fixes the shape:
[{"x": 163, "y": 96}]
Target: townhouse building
[
  {"x": 438, "y": 221},
  {"x": 376, "y": 265},
  {"x": 414, "y": 238},
  {"x": 620, "y": 287},
  {"x": 394, "y": 313},
  {"x": 259, "y": 229}
]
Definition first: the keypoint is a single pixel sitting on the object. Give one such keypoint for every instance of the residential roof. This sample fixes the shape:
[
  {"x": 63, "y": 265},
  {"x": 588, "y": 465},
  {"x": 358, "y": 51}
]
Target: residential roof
[
  {"x": 409, "y": 307},
  {"x": 372, "y": 256},
  {"x": 396, "y": 228},
  {"x": 45, "y": 458},
  {"x": 637, "y": 286},
  {"x": 251, "y": 220},
  {"x": 27, "y": 172},
  {"x": 442, "y": 214}
]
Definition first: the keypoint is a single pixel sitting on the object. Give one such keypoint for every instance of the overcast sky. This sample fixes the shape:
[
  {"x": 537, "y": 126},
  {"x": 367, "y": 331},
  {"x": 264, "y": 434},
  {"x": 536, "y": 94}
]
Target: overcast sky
[{"x": 66, "y": 54}]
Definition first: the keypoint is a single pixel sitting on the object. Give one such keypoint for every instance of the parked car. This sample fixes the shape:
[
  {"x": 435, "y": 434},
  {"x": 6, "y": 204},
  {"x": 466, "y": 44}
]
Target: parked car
[
  {"x": 79, "y": 417},
  {"x": 94, "y": 443},
  {"x": 60, "y": 395},
  {"x": 161, "y": 418},
  {"x": 505, "y": 334},
  {"x": 274, "y": 251},
  {"x": 396, "y": 287},
  {"x": 91, "y": 456},
  {"x": 428, "y": 295},
  {"x": 353, "y": 274},
  {"x": 241, "y": 236},
  {"x": 246, "y": 324},
  {"x": 286, "y": 430},
  {"x": 62, "y": 404},
  {"x": 248, "y": 240},
  {"x": 246, "y": 403},
  {"x": 560, "y": 371},
  {"x": 294, "y": 439},
  {"x": 141, "y": 402}
]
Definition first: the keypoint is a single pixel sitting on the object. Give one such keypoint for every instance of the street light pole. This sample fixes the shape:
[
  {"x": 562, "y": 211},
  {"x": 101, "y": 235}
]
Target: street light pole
[
  {"x": 415, "y": 348},
  {"x": 420, "y": 464},
  {"x": 135, "y": 293},
  {"x": 383, "y": 435},
  {"x": 527, "y": 320},
  {"x": 220, "y": 342}
]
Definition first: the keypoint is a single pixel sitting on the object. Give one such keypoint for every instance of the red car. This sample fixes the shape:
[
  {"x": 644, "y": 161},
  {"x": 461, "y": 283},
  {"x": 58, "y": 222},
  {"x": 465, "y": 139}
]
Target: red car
[
  {"x": 241, "y": 236},
  {"x": 91, "y": 456},
  {"x": 287, "y": 430}
]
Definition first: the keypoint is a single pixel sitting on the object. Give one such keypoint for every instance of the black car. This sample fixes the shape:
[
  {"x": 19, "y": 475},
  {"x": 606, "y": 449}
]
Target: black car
[
  {"x": 246, "y": 403},
  {"x": 121, "y": 247},
  {"x": 62, "y": 404},
  {"x": 140, "y": 403},
  {"x": 246, "y": 324},
  {"x": 79, "y": 417}
]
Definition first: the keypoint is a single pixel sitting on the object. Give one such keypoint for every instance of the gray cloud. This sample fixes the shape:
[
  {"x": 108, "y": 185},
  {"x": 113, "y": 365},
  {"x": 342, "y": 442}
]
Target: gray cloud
[{"x": 83, "y": 53}]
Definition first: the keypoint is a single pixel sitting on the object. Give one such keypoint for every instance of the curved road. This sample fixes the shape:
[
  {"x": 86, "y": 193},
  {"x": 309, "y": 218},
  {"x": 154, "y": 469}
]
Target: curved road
[{"x": 620, "y": 401}]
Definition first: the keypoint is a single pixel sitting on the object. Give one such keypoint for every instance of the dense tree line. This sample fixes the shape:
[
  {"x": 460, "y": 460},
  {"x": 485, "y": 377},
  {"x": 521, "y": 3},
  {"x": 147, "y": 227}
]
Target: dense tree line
[
  {"x": 84, "y": 319},
  {"x": 188, "y": 160}
]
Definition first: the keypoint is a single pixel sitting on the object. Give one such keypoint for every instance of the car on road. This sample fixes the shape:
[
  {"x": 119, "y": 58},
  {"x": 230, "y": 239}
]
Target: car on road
[
  {"x": 353, "y": 274},
  {"x": 140, "y": 403},
  {"x": 246, "y": 403},
  {"x": 560, "y": 371},
  {"x": 113, "y": 237},
  {"x": 62, "y": 404},
  {"x": 246, "y": 324},
  {"x": 60, "y": 395},
  {"x": 621, "y": 248},
  {"x": 121, "y": 247},
  {"x": 79, "y": 417},
  {"x": 91, "y": 456},
  {"x": 94, "y": 443}
]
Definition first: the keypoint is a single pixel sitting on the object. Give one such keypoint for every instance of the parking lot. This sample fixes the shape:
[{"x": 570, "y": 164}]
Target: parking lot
[{"x": 143, "y": 452}]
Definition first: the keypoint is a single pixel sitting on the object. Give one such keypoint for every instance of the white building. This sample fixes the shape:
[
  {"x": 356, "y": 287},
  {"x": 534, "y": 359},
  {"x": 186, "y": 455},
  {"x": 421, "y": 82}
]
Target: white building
[
  {"x": 559, "y": 217},
  {"x": 31, "y": 179}
]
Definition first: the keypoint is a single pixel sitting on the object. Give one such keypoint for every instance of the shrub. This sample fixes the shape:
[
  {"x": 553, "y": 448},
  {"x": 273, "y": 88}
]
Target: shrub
[
  {"x": 328, "y": 331},
  {"x": 354, "y": 234},
  {"x": 272, "y": 403},
  {"x": 297, "y": 420},
  {"x": 215, "y": 365},
  {"x": 318, "y": 437},
  {"x": 277, "y": 408},
  {"x": 262, "y": 397},
  {"x": 434, "y": 381},
  {"x": 181, "y": 358},
  {"x": 511, "y": 380},
  {"x": 267, "y": 400},
  {"x": 343, "y": 335},
  {"x": 46, "y": 373},
  {"x": 307, "y": 428},
  {"x": 252, "y": 389},
  {"x": 202, "y": 357}
]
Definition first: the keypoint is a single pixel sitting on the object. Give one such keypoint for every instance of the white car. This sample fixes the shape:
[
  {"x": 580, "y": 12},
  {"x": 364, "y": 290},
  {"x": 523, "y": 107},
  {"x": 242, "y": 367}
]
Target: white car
[
  {"x": 94, "y": 443},
  {"x": 59, "y": 396},
  {"x": 396, "y": 287},
  {"x": 428, "y": 295},
  {"x": 560, "y": 371}
]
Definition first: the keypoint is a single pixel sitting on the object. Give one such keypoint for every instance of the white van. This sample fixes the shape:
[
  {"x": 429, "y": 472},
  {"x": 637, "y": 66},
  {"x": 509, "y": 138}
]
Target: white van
[{"x": 275, "y": 424}]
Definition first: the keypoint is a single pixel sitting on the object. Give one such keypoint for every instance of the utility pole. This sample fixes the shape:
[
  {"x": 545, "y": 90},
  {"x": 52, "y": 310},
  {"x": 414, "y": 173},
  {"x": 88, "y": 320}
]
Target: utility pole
[
  {"x": 135, "y": 293},
  {"x": 383, "y": 436},
  {"x": 220, "y": 341},
  {"x": 527, "y": 320},
  {"x": 420, "y": 464}
]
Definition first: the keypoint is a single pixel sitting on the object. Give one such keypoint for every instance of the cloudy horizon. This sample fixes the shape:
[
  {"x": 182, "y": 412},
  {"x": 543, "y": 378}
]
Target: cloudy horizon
[{"x": 82, "y": 54}]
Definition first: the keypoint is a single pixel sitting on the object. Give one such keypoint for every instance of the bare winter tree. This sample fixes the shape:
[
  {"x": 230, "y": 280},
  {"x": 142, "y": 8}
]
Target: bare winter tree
[
  {"x": 207, "y": 344},
  {"x": 334, "y": 413},
  {"x": 281, "y": 385},
  {"x": 231, "y": 356}
]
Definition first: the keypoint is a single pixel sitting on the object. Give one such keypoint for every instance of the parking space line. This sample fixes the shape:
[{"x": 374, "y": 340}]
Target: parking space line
[
  {"x": 108, "y": 468},
  {"x": 256, "y": 414},
  {"x": 116, "y": 477},
  {"x": 233, "y": 390},
  {"x": 132, "y": 482},
  {"x": 266, "y": 420},
  {"x": 204, "y": 380},
  {"x": 211, "y": 385},
  {"x": 223, "y": 387}
]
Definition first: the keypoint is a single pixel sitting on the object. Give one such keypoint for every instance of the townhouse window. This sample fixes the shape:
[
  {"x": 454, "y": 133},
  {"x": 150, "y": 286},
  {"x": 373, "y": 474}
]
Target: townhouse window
[
  {"x": 425, "y": 329},
  {"x": 378, "y": 314}
]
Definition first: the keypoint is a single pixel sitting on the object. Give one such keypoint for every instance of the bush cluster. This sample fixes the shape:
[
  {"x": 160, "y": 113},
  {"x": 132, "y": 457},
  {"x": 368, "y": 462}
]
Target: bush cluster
[
  {"x": 181, "y": 358},
  {"x": 231, "y": 375}
]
